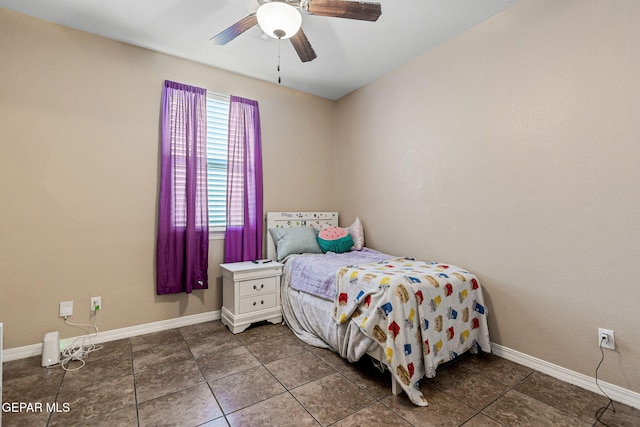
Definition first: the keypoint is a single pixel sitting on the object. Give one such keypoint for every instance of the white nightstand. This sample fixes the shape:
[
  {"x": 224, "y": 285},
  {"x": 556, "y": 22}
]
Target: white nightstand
[{"x": 250, "y": 293}]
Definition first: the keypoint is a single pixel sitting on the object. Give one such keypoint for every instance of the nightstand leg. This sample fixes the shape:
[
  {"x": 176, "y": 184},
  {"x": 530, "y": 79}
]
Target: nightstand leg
[{"x": 275, "y": 320}]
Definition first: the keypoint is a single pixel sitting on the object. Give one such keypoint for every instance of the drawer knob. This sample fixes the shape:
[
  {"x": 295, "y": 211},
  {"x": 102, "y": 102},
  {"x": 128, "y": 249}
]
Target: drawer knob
[
  {"x": 256, "y": 288},
  {"x": 261, "y": 302}
]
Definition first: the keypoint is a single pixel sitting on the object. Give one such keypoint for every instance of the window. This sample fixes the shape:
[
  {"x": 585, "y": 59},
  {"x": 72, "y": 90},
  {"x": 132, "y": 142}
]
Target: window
[{"x": 217, "y": 142}]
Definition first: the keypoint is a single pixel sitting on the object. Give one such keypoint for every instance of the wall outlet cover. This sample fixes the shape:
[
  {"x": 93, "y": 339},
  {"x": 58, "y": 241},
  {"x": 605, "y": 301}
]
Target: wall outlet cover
[{"x": 66, "y": 308}]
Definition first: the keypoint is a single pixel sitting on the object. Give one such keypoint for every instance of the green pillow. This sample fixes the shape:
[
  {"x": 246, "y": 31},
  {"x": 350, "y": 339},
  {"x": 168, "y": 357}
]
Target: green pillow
[{"x": 343, "y": 244}]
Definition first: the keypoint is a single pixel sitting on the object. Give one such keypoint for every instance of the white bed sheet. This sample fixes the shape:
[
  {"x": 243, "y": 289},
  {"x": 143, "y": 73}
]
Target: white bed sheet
[{"x": 306, "y": 315}]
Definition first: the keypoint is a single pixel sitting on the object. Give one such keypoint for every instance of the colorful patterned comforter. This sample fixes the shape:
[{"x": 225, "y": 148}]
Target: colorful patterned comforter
[{"x": 422, "y": 314}]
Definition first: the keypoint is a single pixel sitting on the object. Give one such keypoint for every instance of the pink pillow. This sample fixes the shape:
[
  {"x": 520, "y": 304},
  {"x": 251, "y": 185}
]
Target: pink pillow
[{"x": 357, "y": 234}]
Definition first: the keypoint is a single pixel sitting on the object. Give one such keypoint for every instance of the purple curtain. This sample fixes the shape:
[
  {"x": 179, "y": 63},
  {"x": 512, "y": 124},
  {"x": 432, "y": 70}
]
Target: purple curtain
[
  {"x": 243, "y": 236},
  {"x": 183, "y": 223}
]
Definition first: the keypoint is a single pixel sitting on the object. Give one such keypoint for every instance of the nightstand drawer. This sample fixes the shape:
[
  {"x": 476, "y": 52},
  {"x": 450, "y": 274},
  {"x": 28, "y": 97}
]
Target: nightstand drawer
[
  {"x": 256, "y": 287},
  {"x": 259, "y": 302}
]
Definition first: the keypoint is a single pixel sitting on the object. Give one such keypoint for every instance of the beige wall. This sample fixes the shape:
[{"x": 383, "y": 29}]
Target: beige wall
[
  {"x": 79, "y": 120},
  {"x": 513, "y": 150}
]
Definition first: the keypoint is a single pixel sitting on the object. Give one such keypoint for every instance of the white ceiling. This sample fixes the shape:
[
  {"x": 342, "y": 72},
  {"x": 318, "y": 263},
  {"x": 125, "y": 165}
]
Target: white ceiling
[{"x": 350, "y": 53}]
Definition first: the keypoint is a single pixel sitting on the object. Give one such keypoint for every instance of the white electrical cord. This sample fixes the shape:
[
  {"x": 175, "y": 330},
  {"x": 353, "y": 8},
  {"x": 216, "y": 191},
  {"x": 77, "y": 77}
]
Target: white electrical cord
[{"x": 79, "y": 349}]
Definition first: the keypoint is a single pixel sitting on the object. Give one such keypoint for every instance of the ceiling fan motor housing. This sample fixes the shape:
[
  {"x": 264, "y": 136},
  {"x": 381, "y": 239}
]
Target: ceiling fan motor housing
[{"x": 279, "y": 19}]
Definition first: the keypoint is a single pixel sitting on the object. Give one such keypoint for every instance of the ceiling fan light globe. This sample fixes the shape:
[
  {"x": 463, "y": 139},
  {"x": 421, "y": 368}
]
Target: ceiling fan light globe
[{"x": 279, "y": 20}]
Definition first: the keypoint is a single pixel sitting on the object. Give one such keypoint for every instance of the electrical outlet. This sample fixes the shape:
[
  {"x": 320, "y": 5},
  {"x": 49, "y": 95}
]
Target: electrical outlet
[
  {"x": 66, "y": 308},
  {"x": 606, "y": 339},
  {"x": 96, "y": 303}
]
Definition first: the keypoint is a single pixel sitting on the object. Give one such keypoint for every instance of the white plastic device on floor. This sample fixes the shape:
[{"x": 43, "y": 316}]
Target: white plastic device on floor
[{"x": 51, "y": 349}]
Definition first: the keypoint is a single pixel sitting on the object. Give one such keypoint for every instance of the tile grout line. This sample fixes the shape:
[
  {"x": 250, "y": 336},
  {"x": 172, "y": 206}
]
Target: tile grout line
[
  {"x": 245, "y": 345},
  {"x": 286, "y": 390},
  {"x": 501, "y": 396},
  {"x": 56, "y": 398},
  {"x": 335, "y": 370},
  {"x": 543, "y": 402},
  {"x": 205, "y": 380},
  {"x": 479, "y": 411},
  {"x": 135, "y": 389}
]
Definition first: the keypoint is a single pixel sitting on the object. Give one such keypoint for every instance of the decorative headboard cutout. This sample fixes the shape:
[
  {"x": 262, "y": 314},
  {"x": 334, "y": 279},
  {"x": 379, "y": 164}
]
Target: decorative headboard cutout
[{"x": 296, "y": 219}]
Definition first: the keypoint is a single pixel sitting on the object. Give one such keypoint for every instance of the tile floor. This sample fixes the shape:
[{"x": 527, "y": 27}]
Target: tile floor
[{"x": 204, "y": 375}]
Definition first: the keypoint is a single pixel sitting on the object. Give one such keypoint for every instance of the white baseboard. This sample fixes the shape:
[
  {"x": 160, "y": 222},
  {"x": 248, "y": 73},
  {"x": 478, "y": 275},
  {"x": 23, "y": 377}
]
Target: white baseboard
[
  {"x": 116, "y": 334},
  {"x": 615, "y": 392}
]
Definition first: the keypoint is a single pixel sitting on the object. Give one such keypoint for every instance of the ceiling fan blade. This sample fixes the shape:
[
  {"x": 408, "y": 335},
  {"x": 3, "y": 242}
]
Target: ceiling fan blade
[
  {"x": 235, "y": 30},
  {"x": 302, "y": 46},
  {"x": 364, "y": 11}
]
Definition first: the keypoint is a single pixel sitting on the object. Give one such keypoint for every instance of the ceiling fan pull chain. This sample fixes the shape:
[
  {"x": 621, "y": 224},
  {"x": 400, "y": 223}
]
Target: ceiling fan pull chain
[{"x": 279, "y": 80}]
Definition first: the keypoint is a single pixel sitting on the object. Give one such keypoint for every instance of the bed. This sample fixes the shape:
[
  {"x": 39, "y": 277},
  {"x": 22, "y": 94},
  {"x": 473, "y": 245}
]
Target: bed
[{"x": 410, "y": 315}]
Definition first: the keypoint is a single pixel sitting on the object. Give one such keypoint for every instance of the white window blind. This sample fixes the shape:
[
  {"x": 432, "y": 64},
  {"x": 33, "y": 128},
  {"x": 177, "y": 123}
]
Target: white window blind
[{"x": 217, "y": 142}]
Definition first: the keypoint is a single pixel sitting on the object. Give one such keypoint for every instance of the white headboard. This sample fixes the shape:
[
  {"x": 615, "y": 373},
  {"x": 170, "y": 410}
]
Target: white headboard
[{"x": 296, "y": 219}]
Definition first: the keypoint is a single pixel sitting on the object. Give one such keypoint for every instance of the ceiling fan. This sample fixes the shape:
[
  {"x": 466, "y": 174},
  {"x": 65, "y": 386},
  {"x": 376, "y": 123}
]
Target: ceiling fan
[{"x": 282, "y": 19}]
